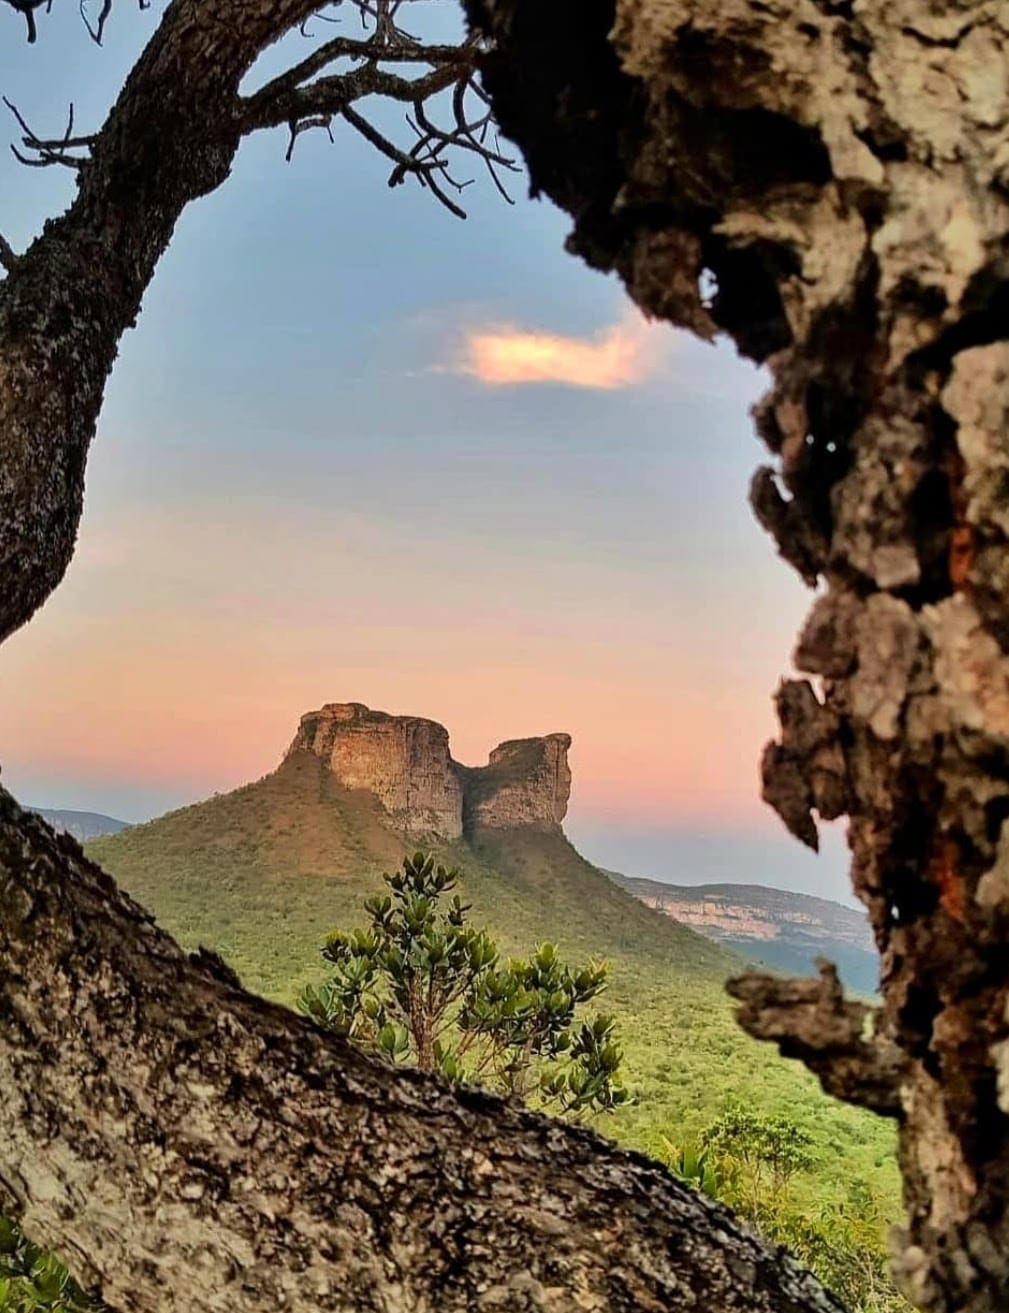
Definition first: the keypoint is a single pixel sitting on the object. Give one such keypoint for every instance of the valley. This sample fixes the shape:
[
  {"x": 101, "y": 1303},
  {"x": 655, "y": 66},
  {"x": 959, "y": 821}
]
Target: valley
[
  {"x": 261, "y": 874},
  {"x": 776, "y": 928}
]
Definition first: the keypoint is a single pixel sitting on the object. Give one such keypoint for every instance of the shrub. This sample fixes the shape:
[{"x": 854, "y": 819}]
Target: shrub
[{"x": 421, "y": 985}]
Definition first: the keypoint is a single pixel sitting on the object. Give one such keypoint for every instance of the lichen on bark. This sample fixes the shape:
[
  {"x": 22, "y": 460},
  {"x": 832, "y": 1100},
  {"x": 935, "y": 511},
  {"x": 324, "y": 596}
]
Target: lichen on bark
[{"x": 837, "y": 171}]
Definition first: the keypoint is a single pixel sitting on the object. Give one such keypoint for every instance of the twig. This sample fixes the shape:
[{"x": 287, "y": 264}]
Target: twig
[
  {"x": 95, "y": 30},
  {"x": 48, "y": 151},
  {"x": 27, "y": 8},
  {"x": 303, "y": 100}
]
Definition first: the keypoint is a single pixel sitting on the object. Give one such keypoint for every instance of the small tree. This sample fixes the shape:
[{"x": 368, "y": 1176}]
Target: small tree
[
  {"x": 421, "y": 985},
  {"x": 767, "y": 1148},
  {"x": 748, "y": 1161}
]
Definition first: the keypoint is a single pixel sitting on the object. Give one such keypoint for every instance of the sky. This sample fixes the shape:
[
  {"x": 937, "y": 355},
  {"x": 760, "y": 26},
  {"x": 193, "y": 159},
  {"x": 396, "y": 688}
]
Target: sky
[{"x": 359, "y": 450}]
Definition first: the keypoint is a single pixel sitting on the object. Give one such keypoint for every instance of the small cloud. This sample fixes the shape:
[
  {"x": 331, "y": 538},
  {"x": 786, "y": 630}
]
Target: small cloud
[{"x": 505, "y": 354}]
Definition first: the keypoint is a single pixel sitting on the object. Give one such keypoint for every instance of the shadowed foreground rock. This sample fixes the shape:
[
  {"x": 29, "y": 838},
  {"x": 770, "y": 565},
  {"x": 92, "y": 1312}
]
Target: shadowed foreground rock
[
  {"x": 828, "y": 183},
  {"x": 190, "y": 1147}
]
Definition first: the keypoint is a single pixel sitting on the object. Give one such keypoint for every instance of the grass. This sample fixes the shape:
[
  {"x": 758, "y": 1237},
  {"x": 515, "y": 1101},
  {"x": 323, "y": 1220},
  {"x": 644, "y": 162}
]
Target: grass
[{"x": 263, "y": 873}]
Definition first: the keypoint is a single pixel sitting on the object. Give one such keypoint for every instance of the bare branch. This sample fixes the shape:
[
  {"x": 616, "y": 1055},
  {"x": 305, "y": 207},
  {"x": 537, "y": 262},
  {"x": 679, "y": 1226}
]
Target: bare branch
[
  {"x": 307, "y": 96},
  {"x": 48, "y": 151},
  {"x": 424, "y": 170},
  {"x": 96, "y": 29},
  {"x": 281, "y": 101},
  {"x": 811, "y": 1020},
  {"x": 303, "y": 100},
  {"x": 27, "y": 8}
]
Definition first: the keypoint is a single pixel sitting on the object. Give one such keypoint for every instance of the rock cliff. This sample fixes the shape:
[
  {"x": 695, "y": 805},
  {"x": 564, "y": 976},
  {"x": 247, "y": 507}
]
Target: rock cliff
[
  {"x": 785, "y": 930},
  {"x": 406, "y": 763},
  {"x": 403, "y": 760},
  {"x": 525, "y": 782}
]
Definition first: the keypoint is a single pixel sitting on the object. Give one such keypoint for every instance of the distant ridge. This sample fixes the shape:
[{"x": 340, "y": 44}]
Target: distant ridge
[
  {"x": 781, "y": 929},
  {"x": 82, "y": 825}
]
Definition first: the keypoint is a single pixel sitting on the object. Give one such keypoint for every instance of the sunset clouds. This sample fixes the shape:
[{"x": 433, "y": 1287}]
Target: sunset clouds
[{"x": 506, "y": 354}]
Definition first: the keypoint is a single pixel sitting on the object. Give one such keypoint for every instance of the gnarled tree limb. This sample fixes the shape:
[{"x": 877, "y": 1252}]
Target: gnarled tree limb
[
  {"x": 837, "y": 173},
  {"x": 190, "y": 1147},
  {"x": 836, "y": 1038},
  {"x": 171, "y": 137}
]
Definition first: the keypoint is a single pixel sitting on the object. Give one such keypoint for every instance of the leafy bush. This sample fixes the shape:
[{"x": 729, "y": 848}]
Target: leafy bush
[
  {"x": 32, "y": 1281},
  {"x": 749, "y": 1161},
  {"x": 421, "y": 985},
  {"x": 771, "y": 1149}
]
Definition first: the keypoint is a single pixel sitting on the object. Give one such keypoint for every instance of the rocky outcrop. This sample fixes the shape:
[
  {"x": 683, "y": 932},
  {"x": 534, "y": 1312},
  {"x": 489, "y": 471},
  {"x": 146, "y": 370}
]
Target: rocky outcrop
[
  {"x": 784, "y": 930},
  {"x": 405, "y": 762},
  {"x": 525, "y": 782}
]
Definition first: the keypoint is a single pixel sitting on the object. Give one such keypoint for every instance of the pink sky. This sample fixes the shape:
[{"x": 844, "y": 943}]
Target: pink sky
[
  {"x": 188, "y": 669},
  {"x": 358, "y": 451}
]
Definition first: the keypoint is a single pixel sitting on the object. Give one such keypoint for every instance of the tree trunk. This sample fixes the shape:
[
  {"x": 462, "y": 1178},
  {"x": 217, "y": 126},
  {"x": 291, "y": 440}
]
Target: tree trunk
[
  {"x": 838, "y": 171},
  {"x": 189, "y": 1147},
  {"x": 65, "y": 303}
]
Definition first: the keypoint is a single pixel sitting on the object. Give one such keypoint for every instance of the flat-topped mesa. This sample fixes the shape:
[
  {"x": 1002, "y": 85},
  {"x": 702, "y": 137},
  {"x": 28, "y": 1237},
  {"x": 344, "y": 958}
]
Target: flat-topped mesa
[
  {"x": 525, "y": 782},
  {"x": 405, "y": 762}
]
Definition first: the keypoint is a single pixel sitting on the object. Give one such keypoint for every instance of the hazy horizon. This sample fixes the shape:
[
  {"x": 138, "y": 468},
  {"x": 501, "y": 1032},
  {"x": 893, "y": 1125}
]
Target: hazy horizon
[
  {"x": 358, "y": 449},
  {"x": 677, "y": 854}
]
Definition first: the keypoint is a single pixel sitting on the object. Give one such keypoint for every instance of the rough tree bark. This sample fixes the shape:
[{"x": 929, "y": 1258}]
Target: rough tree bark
[
  {"x": 838, "y": 170},
  {"x": 182, "y": 1144},
  {"x": 189, "y": 1147}
]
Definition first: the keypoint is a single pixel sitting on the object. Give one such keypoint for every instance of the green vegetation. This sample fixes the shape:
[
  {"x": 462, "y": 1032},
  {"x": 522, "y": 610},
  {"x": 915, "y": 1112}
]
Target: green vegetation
[
  {"x": 260, "y": 875},
  {"x": 423, "y": 986},
  {"x": 32, "y": 1281},
  {"x": 752, "y": 1163}
]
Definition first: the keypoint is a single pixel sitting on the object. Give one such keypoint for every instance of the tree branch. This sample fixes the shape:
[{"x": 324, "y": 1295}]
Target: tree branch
[
  {"x": 811, "y": 1020},
  {"x": 278, "y": 102},
  {"x": 96, "y": 29},
  {"x": 315, "y": 105},
  {"x": 55, "y": 150},
  {"x": 28, "y": 8},
  {"x": 171, "y": 137},
  {"x": 158, "y": 1124}
]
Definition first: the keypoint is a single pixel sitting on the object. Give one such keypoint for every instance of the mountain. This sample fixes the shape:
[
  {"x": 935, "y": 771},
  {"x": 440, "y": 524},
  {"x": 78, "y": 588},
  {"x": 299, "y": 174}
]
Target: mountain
[
  {"x": 262, "y": 873},
  {"x": 82, "y": 825},
  {"x": 783, "y": 930}
]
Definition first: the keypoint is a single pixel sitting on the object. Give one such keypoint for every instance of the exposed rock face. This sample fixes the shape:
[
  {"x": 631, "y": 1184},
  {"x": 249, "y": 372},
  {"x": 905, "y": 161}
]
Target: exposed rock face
[
  {"x": 525, "y": 782},
  {"x": 785, "y": 930},
  {"x": 405, "y": 762}
]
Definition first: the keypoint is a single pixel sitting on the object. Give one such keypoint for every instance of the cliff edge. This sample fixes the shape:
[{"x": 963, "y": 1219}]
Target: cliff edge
[{"x": 406, "y": 763}]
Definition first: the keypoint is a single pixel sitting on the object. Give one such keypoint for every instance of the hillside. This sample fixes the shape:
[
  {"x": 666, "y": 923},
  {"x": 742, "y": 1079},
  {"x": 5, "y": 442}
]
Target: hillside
[
  {"x": 774, "y": 927},
  {"x": 82, "y": 825},
  {"x": 262, "y": 873}
]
